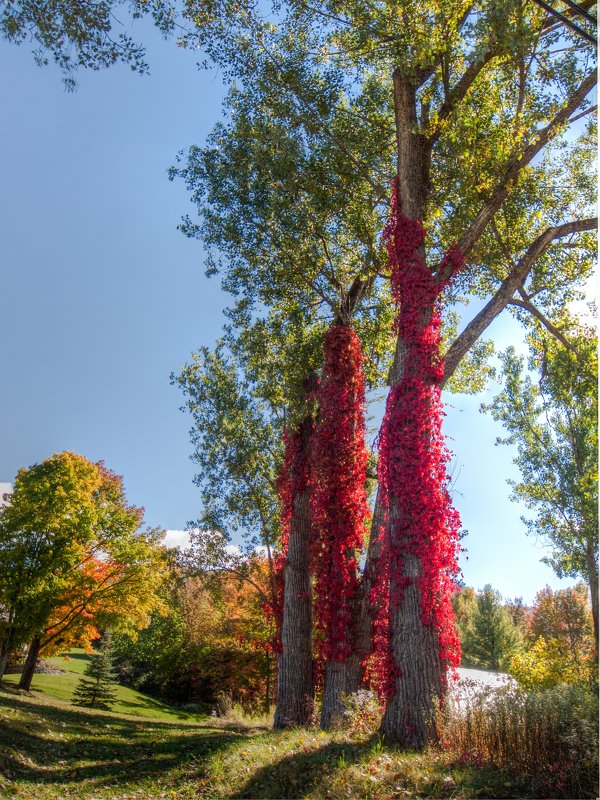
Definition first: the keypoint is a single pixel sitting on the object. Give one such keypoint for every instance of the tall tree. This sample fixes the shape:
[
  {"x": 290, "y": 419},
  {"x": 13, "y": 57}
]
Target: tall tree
[
  {"x": 554, "y": 424},
  {"x": 481, "y": 100},
  {"x": 493, "y": 637}
]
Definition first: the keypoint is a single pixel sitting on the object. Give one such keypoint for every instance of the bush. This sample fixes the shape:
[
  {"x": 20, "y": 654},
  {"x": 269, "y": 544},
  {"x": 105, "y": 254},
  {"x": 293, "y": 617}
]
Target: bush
[
  {"x": 547, "y": 735},
  {"x": 362, "y": 712}
]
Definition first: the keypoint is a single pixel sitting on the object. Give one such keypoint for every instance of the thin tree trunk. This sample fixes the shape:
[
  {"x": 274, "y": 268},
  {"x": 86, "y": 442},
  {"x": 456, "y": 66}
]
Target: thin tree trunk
[
  {"x": 30, "y": 663},
  {"x": 592, "y": 568},
  {"x": 295, "y": 689},
  {"x": 3, "y": 662}
]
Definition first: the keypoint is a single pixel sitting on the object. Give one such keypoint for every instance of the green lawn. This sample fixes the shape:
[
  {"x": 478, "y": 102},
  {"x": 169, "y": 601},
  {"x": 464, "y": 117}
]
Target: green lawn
[{"x": 61, "y": 687}]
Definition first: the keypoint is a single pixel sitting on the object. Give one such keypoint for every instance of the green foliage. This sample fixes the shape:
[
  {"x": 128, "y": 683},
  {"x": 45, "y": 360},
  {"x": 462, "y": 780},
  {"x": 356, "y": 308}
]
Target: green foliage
[
  {"x": 292, "y": 188},
  {"x": 237, "y": 446},
  {"x": 553, "y": 423},
  {"x": 95, "y": 690},
  {"x": 464, "y": 605},
  {"x": 72, "y": 556},
  {"x": 211, "y": 637},
  {"x": 157, "y": 661},
  {"x": 490, "y": 636},
  {"x": 81, "y": 34}
]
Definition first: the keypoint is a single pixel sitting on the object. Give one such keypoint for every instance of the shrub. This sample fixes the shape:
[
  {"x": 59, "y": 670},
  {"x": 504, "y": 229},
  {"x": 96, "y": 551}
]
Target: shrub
[
  {"x": 362, "y": 712},
  {"x": 547, "y": 735}
]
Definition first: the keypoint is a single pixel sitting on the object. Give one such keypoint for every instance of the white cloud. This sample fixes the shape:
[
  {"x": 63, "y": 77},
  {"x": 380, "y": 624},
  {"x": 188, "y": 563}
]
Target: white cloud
[
  {"x": 5, "y": 488},
  {"x": 179, "y": 539}
]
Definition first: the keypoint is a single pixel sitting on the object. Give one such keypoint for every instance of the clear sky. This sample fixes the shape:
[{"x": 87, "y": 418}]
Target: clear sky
[{"x": 101, "y": 298}]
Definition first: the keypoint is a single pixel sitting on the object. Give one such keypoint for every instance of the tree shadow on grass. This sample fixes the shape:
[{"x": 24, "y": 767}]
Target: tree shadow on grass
[
  {"x": 299, "y": 774},
  {"x": 48, "y": 744}
]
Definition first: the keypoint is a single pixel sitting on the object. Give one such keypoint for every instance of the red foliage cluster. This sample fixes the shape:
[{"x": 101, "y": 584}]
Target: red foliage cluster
[
  {"x": 339, "y": 506},
  {"x": 421, "y": 523}
]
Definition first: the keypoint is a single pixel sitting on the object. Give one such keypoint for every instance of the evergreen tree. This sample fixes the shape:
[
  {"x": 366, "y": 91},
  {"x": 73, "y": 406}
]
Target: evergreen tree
[
  {"x": 493, "y": 637},
  {"x": 96, "y": 690}
]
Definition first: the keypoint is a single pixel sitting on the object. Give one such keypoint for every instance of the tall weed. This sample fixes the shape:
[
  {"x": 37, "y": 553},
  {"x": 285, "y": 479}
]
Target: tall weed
[{"x": 548, "y": 735}]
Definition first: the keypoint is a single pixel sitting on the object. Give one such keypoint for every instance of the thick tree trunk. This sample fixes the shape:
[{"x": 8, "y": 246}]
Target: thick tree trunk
[
  {"x": 295, "y": 689},
  {"x": 410, "y": 715},
  {"x": 339, "y": 680},
  {"x": 30, "y": 663}
]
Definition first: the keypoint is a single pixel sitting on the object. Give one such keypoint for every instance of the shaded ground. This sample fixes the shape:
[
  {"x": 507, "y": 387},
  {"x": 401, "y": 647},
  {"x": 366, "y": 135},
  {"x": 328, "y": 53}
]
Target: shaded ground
[{"x": 51, "y": 751}]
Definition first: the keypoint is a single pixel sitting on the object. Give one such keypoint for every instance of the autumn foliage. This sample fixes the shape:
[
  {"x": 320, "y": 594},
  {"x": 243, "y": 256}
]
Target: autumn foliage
[
  {"x": 339, "y": 507},
  {"x": 420, "y": 519}
]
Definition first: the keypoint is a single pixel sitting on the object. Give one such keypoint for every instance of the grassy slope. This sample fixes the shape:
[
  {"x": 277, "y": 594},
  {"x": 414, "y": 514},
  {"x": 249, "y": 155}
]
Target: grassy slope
[
  {"x": 50, "y": 750},
  {"x": 128, "y": 701}
]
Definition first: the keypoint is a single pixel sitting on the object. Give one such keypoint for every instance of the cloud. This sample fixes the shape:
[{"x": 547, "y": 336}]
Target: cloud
[{"x": 180, "y": 539}]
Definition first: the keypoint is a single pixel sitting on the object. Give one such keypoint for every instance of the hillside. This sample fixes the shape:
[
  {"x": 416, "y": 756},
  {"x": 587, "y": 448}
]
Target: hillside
[{"x": 61, "y": 687}]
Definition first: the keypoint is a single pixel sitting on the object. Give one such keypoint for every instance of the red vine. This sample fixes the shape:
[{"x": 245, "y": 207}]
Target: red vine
[
  {"x": 421, "y": 520},
  {"x": 338, "y": 500}
]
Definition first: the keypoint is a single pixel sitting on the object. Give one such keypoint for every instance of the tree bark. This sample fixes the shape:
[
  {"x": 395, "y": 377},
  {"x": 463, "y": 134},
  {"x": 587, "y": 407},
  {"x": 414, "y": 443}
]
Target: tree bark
[
  {"x": 592, "y": 568},
  {"x": 4, "y": 654},
  {"x": 30, "y": 663},
  {"x": 295, "y": 689},
  {"x": 409, "y": 717}
]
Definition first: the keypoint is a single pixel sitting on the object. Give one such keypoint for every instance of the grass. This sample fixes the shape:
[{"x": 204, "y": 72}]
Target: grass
[
  {"x": 53, "y": 751},
  {"x": 128, "y": 701}
]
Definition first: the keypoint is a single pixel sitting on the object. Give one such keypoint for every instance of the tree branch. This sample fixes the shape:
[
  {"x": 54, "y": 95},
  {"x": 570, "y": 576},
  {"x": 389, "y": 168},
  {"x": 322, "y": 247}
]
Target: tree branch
[
  {"x": 528, "y": 306},
  {"x": 458, "y": 92},
  {"x": 542, "y": 137},
  {"x": 506, "y": 290}
]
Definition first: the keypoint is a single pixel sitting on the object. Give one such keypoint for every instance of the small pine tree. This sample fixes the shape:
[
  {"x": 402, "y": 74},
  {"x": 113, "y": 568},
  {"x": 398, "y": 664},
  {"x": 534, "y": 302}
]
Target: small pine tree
[
  {"x": 493, "y": 637},
  {"x": 95, "y": 690}
]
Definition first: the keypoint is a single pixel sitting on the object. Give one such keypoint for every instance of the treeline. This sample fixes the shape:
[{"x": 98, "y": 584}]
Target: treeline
[
  {"x": 215, "y": 641},
  {"x": 542, "y": 645},
  {"x": 211, "y": 644}
]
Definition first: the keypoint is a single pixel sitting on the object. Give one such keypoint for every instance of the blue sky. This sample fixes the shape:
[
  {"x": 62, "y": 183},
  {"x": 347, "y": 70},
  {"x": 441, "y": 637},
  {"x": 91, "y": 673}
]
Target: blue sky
[{"x": 102, "y": 298}]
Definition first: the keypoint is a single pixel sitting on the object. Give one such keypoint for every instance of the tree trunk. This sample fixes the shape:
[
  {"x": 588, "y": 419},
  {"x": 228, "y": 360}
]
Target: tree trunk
[
  {"x": 410, "y": 715},
  {"x": 363, "y": 606},
  {"x": 30, "y": 663},
  {"x": 592, "y": 568},
  {"x": 340, "y": 677},
  {"x": 295, "y": 689},
  {"x": 4, "y": 654}
]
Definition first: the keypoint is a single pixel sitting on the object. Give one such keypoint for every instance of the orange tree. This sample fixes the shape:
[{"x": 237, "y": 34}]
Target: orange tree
[{"x": 72, "y": 557}]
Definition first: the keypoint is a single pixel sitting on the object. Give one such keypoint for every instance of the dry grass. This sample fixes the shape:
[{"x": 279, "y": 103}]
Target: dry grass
[{"x": 549, "y": 736}]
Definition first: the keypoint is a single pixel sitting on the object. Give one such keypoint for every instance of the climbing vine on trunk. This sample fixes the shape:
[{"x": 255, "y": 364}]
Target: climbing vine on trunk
[
  {"x": 339, "y": 508},
  {"x": 421, "y": 526}
]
